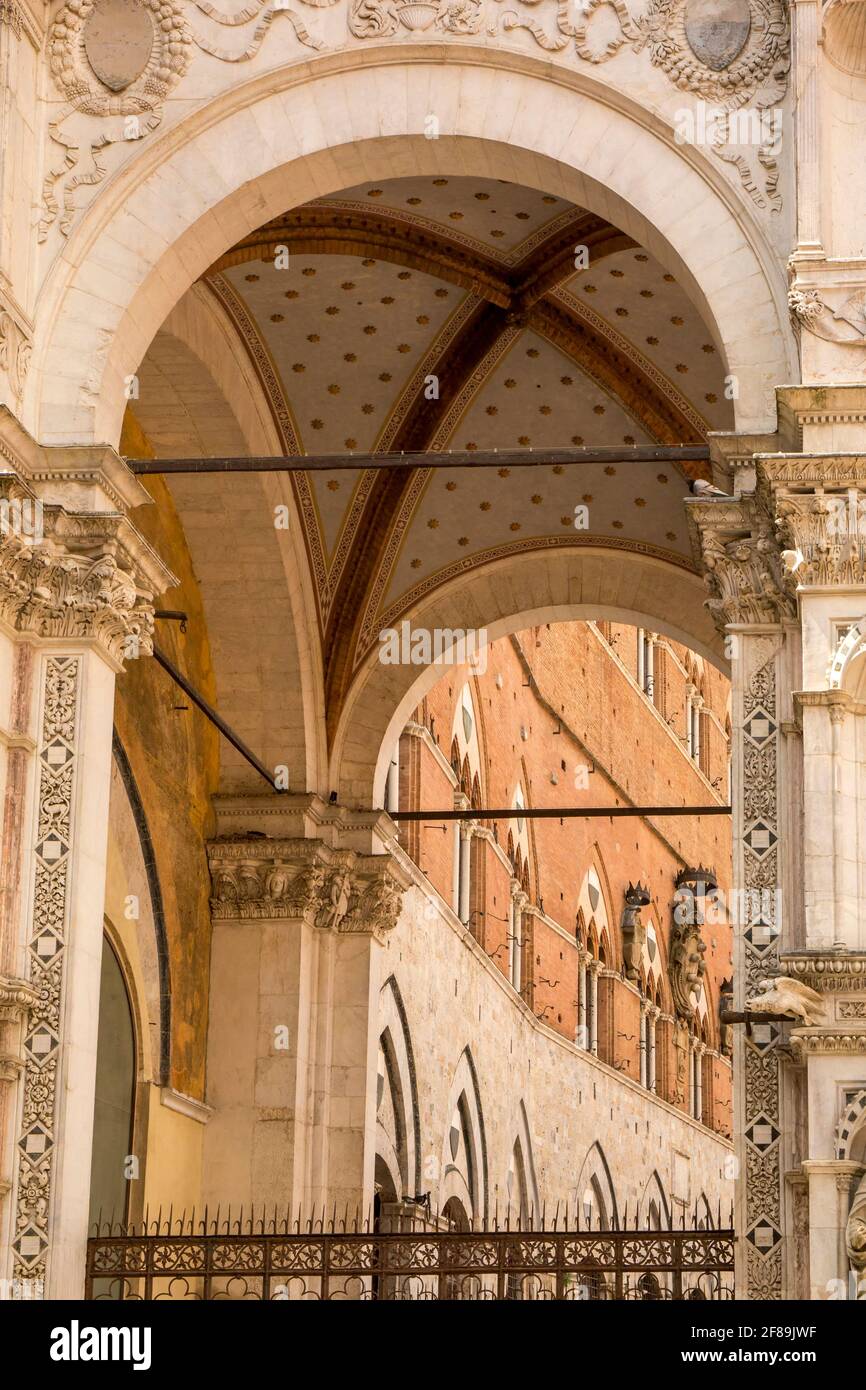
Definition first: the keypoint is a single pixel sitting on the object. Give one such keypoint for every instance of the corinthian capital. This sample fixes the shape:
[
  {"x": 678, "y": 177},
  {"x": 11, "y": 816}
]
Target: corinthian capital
[
  {"x": 742, "y": 562},
  {"x": 86, "y": 576}
]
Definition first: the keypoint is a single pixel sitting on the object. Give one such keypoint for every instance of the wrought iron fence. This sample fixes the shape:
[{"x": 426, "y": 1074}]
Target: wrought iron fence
[{"x": 259, "y": 1260}]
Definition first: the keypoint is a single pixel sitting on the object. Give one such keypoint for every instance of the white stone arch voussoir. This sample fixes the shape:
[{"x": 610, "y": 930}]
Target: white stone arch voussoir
[
  {"x": 313, "y": 129},
  {"x": 505, "y": 596}
]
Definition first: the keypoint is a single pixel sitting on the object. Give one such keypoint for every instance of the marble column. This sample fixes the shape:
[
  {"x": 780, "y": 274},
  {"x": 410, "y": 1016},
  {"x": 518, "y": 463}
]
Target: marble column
[
  {"x": 752, "y": 603},
  {"x": 594, "y": 968},
  {"x": 582, "y": 1038},
  {"x": 76, "y": 600}
]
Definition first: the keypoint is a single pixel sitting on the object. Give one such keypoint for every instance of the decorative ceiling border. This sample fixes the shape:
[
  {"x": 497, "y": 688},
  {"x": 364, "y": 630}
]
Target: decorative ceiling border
[
  {"x": 624, "y": 345},
  {"x": 373, "y": 624},
  {"x": 508, "y": 261}
]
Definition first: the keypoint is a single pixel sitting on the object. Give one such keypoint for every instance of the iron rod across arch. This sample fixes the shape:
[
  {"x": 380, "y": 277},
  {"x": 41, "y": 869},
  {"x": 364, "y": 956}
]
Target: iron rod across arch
[{"x": 458, "y": 458}]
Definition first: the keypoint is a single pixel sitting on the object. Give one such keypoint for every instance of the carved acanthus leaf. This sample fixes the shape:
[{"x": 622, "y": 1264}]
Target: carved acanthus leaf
[
  {"x": 825, "y": 535},
  {"x": 742, "y": 561},
  {"x": 60, "y": 575}
]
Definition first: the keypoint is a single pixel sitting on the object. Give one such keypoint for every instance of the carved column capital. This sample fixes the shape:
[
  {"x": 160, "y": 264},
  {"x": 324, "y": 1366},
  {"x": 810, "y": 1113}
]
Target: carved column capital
[
  {"x": 742, "y": 562},
  {"x": 305, "y": 880},
  {"x": 17, "y": 998},
  {"x": 83, "y": 576},
  {"x": 824, "y": 536}
]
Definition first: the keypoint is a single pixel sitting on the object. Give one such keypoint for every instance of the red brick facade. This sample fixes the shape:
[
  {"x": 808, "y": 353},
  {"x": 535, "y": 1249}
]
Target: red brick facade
[{"x": 576, "y": 713}]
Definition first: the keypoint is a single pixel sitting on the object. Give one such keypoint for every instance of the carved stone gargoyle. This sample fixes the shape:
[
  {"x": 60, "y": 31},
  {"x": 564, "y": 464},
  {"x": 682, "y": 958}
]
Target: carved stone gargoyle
[{"x": 633, "y": 930}]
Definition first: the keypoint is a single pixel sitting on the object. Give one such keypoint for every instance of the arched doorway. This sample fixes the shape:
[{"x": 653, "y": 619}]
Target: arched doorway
[{"x": 114, "y": 1166}]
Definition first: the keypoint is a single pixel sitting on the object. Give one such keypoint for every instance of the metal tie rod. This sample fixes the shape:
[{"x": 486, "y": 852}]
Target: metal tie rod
[
  {"x": 207, "y": 709},
  {"x": 555, "y": 812},
  {"x": 459, "y": 458}
]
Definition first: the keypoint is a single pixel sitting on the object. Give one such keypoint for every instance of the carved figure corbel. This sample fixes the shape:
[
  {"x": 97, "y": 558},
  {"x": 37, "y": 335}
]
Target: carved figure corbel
[
  {"x": 632, "y": 929},
  {"x": 335, "y": 901}
]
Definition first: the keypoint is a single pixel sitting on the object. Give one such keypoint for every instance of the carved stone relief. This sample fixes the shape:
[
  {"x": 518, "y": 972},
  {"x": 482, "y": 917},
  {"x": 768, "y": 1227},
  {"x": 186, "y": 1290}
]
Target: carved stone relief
[
  {"x": 296, "y": 880},
  {"x": 749, "y": 587},
  {"x": 845, "y": 324},
  {"x": 116, "y": 62},
  {"x": 68, "y": 580},
  {"x": 116, "y": 65},
  {"x": 16, "y": 349},
  {"x": 46, "y": 950}
]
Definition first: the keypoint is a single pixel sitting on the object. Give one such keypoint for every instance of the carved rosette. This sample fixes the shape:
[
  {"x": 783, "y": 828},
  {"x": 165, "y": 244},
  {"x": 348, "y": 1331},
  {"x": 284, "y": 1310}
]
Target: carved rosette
[
  {"x": 305, "y": 880},
  {"x": 85, "y": 577}
]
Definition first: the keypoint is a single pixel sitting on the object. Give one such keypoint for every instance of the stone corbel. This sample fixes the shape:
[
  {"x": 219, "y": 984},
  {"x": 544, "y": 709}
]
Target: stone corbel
[{"x": 17, "y": 998}]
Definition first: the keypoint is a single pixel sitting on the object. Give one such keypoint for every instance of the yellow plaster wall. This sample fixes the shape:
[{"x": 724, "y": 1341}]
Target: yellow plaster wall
[{"x": 174, "y": 755}]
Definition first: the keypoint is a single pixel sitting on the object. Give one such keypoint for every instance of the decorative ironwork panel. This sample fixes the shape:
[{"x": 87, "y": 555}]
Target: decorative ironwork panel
[{"x": 411, "y": 1266}]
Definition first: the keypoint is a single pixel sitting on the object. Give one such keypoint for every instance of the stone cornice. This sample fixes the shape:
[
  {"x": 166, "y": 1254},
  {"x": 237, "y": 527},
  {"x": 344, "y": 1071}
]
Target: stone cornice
[
  {"x": 828, "y": 970},
  {"x": 91, "y": 477},
  {"x": 305, "y": 881},
  {"x": 812, "y": 1043}
]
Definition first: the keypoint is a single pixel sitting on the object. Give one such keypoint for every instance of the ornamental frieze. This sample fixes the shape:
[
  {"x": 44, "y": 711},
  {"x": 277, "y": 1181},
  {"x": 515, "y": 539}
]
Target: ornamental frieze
[
  {"x": 304, "y": 880},
  {"x": 116, "y": 65}
]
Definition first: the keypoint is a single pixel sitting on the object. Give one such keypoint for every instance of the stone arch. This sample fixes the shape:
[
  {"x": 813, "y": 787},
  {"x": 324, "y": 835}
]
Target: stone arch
[
  {"x": 654, "y": 1201},
  {"x": 396, "y": 1045},
  {"x": 289, "y": 135},
  {"x": 464, "y": 1111},
  {"x": 524, "y": 1197},
  {"x": 502, "y": 597},
  {"x": 595, "y": 1178},
  {"x": 851, "y": 1129},
  {"x": 132, "y": 870}
]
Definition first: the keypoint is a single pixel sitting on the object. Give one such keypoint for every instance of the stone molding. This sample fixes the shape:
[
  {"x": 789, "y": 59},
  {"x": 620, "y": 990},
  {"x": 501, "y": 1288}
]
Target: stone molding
[
  {"x": 185, "y": 1105},
  {"x": 813, "y": 1042},
  {"x": 17, "y": 998},
  {"x": 828, "y": 972},
  {"x": 335, "y": 890}
]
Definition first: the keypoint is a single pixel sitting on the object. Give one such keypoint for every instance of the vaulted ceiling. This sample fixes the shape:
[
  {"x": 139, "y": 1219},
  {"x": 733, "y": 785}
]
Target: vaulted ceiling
[{"x": 450, "y": 313}]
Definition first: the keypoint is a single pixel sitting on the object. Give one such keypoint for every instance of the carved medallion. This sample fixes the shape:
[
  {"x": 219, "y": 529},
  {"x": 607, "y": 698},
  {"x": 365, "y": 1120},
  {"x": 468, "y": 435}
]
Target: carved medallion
[
  {"x": 118, "y": 39},
  {"x": 717, "y": 30}
]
